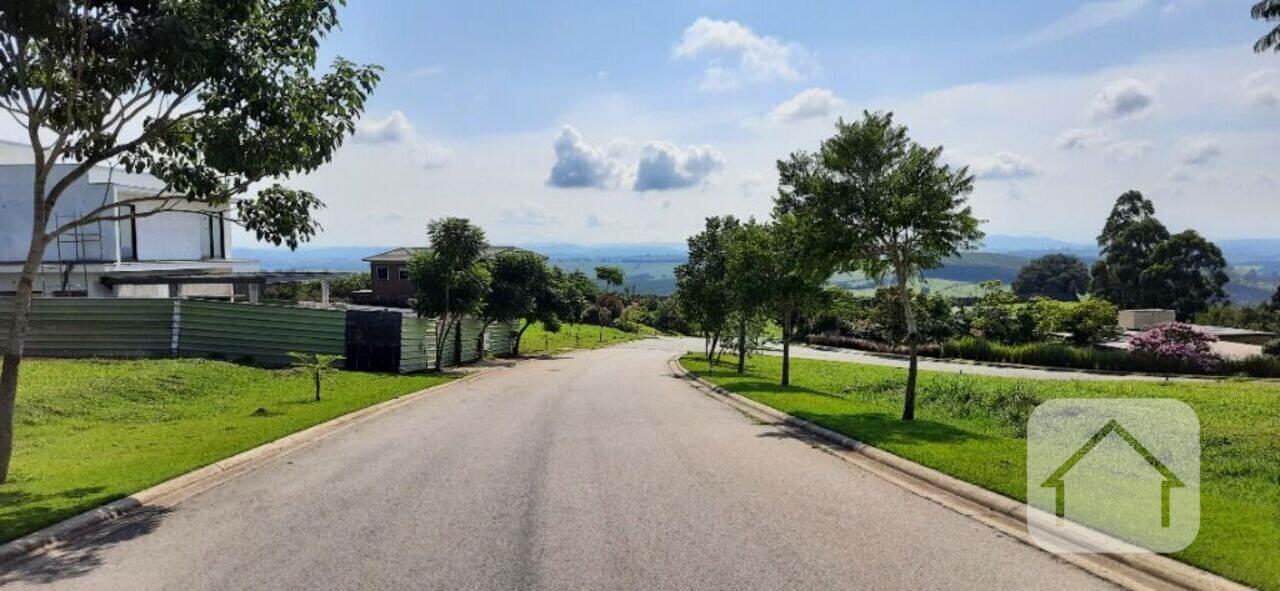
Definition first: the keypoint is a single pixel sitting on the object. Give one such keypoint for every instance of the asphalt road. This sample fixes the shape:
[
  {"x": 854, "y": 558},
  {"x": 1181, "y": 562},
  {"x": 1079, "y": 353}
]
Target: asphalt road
[{"x": 597, "y": 470}]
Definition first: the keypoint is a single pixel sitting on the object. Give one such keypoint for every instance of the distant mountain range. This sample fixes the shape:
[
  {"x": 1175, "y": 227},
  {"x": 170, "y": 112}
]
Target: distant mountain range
[{"x": 650, "y": 266}]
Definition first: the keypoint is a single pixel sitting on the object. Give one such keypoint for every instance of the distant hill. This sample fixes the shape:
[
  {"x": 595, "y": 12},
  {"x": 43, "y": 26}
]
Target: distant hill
[{"x": 650, "y": 267}]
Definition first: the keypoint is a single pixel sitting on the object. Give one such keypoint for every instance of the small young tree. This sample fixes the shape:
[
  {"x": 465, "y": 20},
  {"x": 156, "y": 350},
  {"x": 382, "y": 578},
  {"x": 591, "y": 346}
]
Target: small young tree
[
  {"x": 702, "y": 290},
  {"x": 887, "y": 205},
  {"x": 316, "y": 365},
  {"x": 450, "y": 279},
  {"x": 209, "y": 97},
  {"x": 516, "y": 278},
  {"x": 556, "y": 299}
]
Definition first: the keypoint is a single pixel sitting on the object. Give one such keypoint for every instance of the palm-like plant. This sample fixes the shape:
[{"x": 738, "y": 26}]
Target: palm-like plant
[
  {"x": 1268, "y": 10},
  {"x": 316, "y": 365}
]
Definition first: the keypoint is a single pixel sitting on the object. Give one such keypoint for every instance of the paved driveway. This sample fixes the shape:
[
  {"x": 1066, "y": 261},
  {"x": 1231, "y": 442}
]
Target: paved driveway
[{"x": 596, "y": 470}]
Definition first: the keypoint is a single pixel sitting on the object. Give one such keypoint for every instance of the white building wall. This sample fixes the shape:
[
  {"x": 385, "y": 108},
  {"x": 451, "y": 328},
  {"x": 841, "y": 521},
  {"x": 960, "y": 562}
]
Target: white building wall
[{"x": 169, "y": 236}]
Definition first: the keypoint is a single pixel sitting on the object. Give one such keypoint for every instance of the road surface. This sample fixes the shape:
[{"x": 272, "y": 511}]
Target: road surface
[
  {"x": 938, "y": 365},
  {"x": 595, "y": 470}
]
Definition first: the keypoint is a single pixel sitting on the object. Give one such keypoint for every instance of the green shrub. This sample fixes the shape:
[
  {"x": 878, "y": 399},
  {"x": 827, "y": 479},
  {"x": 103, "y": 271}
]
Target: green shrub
[
  {"x": 1088, "y": 322},
  {"x": 1093, "y": 358},
  {"x": 1272, "y": 348},
  {"x": 999, "y": 316}
]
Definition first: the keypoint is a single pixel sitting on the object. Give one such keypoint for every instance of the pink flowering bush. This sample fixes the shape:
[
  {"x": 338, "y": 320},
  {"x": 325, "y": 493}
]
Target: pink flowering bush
[{"x": 1178, "y": 342}]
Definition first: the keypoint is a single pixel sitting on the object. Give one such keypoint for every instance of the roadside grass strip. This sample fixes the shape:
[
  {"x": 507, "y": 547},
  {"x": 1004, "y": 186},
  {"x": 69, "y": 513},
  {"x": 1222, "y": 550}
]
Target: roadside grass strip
[
  {"x": 974, "y": 427},
  {"x": 89, "y": 432}
]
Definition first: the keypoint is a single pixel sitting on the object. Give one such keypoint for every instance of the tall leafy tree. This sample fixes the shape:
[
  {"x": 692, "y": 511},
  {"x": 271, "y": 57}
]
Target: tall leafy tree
[
  {"x": 450, "y": 279},
  {"x": 750, "y": 271},
  {"x": 1058, "y": 276},
  {"x": 1186, "y": 273},
  {"x": 701, "y": 286},
  {"x": 885, "y": 205},
  {"x": 798, "y": 273},
  {"x": 1129, "y": 237},
  {"x": 1269, "y": 11},
  {"x": 210, "y": 97}
]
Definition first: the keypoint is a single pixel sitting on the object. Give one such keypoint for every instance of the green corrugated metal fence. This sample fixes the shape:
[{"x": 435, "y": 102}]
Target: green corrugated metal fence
[
  {"x": 93, "y": 328},
  {"x": 122, "y": 327},
  {"x": 417, "y": 344},
  {"x": 262, "y": 333}
]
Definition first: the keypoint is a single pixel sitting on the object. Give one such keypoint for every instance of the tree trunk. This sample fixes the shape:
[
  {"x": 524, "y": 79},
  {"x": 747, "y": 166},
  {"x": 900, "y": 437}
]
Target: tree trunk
[
  {"x": 317, "y": 385},
  {"x": 909, "y": 403},
  {"x": 457, "y": 341},
  {"x": 742, "y": 345},
  {"x": 515, "y": 349},
  {"x": 480, "y": 339},
  {"x": 17, "y": 338},
  {"x": 786, "y": 348},
  {"x": 442, "y": 336}
]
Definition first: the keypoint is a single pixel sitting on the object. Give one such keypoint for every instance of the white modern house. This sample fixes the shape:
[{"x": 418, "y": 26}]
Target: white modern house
[{"x": 170, "y": 254}]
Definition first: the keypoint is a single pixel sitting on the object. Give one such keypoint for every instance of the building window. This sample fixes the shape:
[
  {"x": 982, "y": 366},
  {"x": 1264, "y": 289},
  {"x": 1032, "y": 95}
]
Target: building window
[
  {"x": 128, "y": 233},
  {"x": 404, "y": 274},
  {"x": 382, "y": 273}
]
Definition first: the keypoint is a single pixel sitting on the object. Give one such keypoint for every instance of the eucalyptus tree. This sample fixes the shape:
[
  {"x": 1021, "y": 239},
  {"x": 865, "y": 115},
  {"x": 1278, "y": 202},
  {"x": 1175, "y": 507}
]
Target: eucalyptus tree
[
  {"x": 210, "y": 97},
  {"x": 884, "y": 205}
]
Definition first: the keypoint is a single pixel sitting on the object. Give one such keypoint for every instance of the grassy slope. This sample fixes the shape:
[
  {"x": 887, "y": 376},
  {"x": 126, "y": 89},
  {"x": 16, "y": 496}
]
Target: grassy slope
[
  {"x": 89, "y": 432},
  {"x": 537, "y": 341},
  {"x": 1240, "y": 433}
]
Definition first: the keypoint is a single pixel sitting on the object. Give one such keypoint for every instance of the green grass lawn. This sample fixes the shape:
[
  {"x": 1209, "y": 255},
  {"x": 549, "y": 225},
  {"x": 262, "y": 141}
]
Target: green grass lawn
[
  {"x": 972, "y": 427},
  {"x": 537, "y": 341},
  {"x": 92, "y": 431}
]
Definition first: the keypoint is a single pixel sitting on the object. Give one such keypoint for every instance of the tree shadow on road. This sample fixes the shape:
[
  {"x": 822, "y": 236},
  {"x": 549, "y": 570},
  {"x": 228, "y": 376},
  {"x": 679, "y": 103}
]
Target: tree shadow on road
[{"x": 81, "y": 554}]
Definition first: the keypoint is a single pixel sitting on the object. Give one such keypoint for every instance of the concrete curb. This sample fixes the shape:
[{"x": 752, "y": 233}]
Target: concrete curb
[
  {"x": 171, "y": 492},
  {"x": 1132, "y": 571}
]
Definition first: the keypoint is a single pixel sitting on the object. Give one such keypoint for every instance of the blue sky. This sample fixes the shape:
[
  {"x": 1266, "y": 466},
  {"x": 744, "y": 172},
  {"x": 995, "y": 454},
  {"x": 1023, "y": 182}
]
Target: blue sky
[
  {"x": 597, "y": 122},
  {"x": 602, "y": 122}
]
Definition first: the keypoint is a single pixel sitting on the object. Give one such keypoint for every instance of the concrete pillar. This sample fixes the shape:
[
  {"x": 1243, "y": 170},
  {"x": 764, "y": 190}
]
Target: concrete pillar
[
  {"x": 255, "y": 293},
  {"x": 324, "y": 291}
]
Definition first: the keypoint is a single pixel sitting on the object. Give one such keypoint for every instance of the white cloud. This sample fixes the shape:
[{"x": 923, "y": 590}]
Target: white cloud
[
  {"x": 736, "y": 53},
  {"x": 1122, "y": 99},
  {"x": 1129, "y": 150},
  {"x": 1089, "y": 16},
  {"x": 1003, "y": 166},
  {"x": 581, "y": 165},
  {"x": 427, "y": 72},
  {"x": 1082, "y": 138},
  {"x": 1198, "y": 151},
  {"x": 811, "y": 103},
  {"x": 396, "y": 130},
  {"x": 1177, "y": 7},
  {"x": 432, "y": 155},
  {"x": 1263, "y": 87},
  {"x": 393, "y": 129},
  {"x": 664, "y": 166},
  {"x": 528, "y": 214}
]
